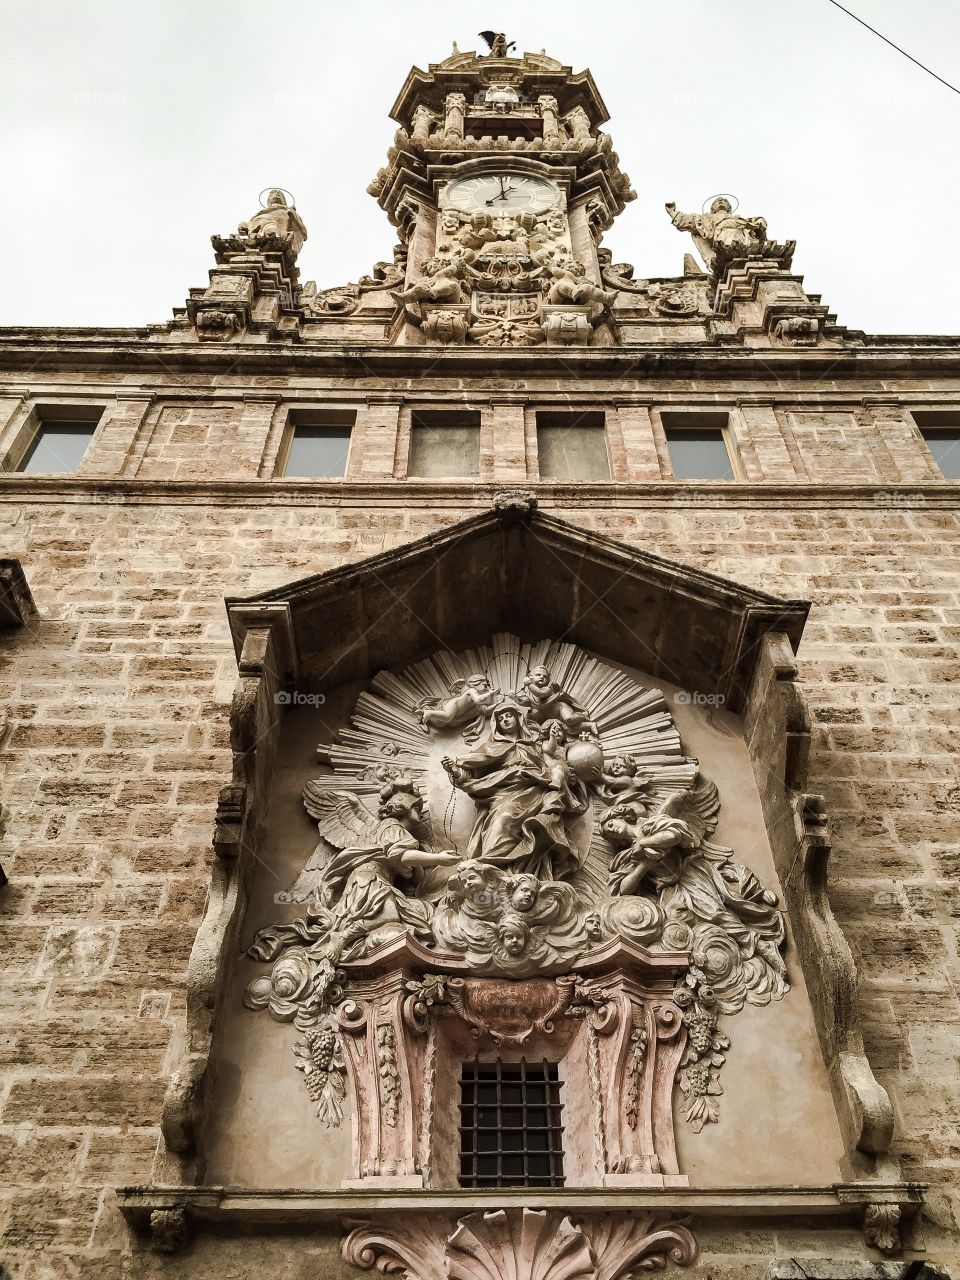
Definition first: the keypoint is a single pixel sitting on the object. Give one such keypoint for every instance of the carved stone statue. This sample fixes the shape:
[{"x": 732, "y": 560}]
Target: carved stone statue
[
  {"x": 277, "y": 228},
  {"x": 469, "y": 704},
  {"x": 547, "y": 701},
  {"x": 350, "y": 881},
  {"x": 570, "y": 819},
  {"x": 722, "y": 236},
  {"x": 569, "y": 280},
  {"x": 440, "y": 280},
  {"x": 521, "y": 797},
  {"x": 714, "y": 902}
]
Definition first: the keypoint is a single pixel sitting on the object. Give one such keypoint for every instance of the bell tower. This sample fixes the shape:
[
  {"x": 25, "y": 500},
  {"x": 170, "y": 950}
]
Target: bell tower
[{"x": 501, "y": 183}]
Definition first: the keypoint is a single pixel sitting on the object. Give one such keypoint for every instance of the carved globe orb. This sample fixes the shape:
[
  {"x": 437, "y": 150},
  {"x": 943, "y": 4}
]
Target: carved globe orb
[{"x": 586, "y": 760}]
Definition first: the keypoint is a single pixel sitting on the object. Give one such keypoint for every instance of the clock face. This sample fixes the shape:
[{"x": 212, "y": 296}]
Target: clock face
[{"x": 502, "y": 193}]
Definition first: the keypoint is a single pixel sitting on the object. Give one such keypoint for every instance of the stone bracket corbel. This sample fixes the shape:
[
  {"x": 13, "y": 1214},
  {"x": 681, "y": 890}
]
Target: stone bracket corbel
[
  {"x": 264, "y": 638},
  {"x": 777, "y": 727}
]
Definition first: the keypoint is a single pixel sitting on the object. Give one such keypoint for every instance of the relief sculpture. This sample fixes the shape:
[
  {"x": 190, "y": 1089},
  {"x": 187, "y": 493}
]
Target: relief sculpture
[{"x": 511, "y": 809}]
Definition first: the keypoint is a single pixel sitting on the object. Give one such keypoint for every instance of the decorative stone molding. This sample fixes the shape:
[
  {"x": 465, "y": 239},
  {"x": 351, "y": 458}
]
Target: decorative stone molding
[
  {"x": 169, "y": 1231},
  {"x": 514, "y": 503},
  {"x": 446, "y": 324},
  {"x": 566, "y": 326},
  {"x": 778, "y": 729},
  {"x": 881, "y": 1227},
  {"x": 797, "y": 331},
  {"x": 521, "y": 1244},
  {"x": 254, "y": 712}
]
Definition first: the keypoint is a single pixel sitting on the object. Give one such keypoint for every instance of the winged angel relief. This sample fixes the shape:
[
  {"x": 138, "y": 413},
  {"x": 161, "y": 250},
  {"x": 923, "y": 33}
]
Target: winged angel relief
[{"x": 510, "y": 808}]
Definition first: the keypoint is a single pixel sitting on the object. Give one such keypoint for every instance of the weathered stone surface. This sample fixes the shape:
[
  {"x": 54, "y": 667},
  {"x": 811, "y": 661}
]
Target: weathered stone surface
[{"x": 117, "y": 665}]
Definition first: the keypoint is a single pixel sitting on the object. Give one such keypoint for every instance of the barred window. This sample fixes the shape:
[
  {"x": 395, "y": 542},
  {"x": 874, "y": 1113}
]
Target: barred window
[{"x": 511, "y": 1130}]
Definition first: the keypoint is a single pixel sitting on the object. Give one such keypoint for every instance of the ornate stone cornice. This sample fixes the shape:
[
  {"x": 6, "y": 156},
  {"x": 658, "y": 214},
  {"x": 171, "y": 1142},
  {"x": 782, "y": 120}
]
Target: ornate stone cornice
[{"x": 153, "y": 353}]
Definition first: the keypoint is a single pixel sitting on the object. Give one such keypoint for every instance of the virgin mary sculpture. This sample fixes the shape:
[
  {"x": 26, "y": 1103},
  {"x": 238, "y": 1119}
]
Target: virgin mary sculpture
[{"x": 522, "y": 799}]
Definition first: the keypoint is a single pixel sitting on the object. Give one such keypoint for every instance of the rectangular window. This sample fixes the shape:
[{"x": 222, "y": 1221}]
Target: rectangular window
[
  {"x": 698, "y": 446},
  {"x": 317, "y": 443},
  {"x": 444, "y": 444},
  {"x": 572, "y": 446},
  {"x": 511, "y": 1131},
  {"x": 941, "y": 433},
  {"x": 60, "y": 440}
]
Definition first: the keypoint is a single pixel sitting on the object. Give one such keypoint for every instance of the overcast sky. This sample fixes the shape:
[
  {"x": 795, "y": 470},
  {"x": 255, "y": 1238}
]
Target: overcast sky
[{"x": 132, "y": 131}]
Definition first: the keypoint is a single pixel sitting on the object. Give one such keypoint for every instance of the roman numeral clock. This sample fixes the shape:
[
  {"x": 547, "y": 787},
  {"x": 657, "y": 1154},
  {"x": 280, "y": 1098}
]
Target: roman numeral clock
[
  {"x": 501, "y": 185},
  {"x": 503, "y": 192}
]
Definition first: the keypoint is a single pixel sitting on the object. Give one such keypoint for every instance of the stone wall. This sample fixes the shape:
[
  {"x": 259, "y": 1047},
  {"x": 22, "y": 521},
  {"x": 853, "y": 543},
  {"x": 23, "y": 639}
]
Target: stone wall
[{"x": 118, "y": 700}]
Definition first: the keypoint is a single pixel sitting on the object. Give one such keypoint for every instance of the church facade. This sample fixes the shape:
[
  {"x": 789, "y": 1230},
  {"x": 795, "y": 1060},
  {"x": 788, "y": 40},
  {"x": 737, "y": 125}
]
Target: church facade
[{"x": 479, "y": 766}]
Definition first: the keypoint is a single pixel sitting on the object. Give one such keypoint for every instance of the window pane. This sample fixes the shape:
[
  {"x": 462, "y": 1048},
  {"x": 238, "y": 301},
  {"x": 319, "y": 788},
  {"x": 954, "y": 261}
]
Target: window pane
[
  {"x": 317, "y": 452},
  {"x": 438, "y": 452},
  {"x": 699, "y": 453},
  {"x": 572, "y": 453},
  {"x": 57, "y": 447},
  {"x": 945, "y": 447}
]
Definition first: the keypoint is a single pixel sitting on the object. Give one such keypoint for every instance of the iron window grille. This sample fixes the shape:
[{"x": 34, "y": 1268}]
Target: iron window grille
[{"x": 511, "y": 1131}]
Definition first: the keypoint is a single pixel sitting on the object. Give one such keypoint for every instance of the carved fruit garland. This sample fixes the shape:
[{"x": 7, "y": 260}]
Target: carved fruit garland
[
  {"x": 320, "y": 1057},
  {"x": 703, "y": 1056}
]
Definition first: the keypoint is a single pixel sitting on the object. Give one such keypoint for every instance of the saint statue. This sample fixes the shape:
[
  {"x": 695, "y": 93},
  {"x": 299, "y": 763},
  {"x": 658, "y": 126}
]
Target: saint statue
[
  {"x": 277, "y": 228},
  {"x": 722, "y": 236},
  {"x": 522, "y": 796}
]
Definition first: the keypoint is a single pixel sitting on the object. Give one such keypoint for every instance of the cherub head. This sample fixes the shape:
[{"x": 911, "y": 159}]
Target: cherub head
[
  {"x": 469, "y": 876},
  {"x": 539, "y": 676},
  {"x": 623, "y": 767},
  {"x": 513, "y": 936},
  {"x": 555, "y": 731},
  {"x": 522, "y": 891},
  {"x": 593, "y": 926},
  {"x": 400, "y": 799}
]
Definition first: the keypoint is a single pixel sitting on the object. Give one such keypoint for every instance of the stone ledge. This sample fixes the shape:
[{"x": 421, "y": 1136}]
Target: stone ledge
[
  {"x": 64, "y": 350},
  {"x": 457, "y": 494},
  {"x": 297, "y": 1207}
]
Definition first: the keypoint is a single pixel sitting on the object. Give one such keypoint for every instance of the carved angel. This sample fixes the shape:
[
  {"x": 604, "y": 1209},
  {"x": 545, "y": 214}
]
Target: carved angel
[
  {"x": 548, "y": 700},
  {"x": 623, "y": 780},
  {"x": 469, "y": 704},
  {"x": 350, "y": 878},
  {"x": 440, "y": 278},
  {"x": 715, "y": 907}
]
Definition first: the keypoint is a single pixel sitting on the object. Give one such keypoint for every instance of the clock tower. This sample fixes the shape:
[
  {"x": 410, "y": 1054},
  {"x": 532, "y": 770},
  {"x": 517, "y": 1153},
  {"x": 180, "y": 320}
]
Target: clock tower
[{"x": 501, "y": 183}]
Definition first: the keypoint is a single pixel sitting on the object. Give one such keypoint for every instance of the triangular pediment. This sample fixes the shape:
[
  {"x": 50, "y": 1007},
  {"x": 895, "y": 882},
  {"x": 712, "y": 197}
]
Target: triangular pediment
[{"x": 516, "y": 568}]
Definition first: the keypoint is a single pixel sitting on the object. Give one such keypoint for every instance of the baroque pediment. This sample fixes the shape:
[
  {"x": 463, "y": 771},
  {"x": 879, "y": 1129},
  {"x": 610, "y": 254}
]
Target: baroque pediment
[{"x": 515, "y": 568}]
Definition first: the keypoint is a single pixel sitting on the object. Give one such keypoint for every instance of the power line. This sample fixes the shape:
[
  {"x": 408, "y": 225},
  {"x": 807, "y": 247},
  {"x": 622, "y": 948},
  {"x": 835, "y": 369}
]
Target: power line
[{"x": 895, "y": 46}]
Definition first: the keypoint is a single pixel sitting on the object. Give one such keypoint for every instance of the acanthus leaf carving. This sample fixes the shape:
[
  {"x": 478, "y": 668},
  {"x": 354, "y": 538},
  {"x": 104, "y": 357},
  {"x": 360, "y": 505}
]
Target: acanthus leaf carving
[
  {"x": 881, "y": 1227},
  {"x": 529, "y": 1244},
  {"x": 520, "y": 1244}
]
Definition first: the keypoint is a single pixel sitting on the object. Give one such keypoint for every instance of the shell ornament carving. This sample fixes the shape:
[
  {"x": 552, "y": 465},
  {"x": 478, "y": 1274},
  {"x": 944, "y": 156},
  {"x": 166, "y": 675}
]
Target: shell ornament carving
[{"x": 520, "y": 1244}]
